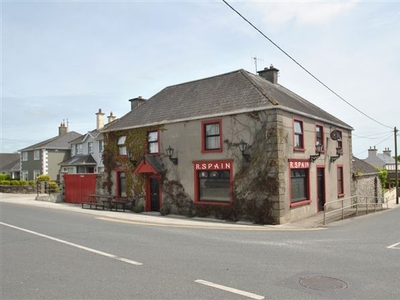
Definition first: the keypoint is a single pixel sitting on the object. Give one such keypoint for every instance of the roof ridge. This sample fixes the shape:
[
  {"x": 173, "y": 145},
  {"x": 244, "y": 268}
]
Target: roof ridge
[{"x": 260, "y": 89}]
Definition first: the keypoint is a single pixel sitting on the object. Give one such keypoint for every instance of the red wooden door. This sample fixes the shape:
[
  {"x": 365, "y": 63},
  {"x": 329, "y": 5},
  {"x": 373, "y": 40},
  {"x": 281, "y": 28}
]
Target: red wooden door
[{"x": 78, "y": 186}]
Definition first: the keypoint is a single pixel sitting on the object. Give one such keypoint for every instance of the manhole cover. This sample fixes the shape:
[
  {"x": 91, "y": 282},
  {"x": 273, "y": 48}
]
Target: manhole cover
[{"x": 323, "y": 283}]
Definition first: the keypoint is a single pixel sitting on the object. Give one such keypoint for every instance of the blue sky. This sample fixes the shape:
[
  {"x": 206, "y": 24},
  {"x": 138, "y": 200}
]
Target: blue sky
[{"x": 63, "y": 60}]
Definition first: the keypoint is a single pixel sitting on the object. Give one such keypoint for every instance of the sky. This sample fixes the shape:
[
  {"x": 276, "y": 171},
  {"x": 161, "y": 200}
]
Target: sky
[{"x": 64, "y": 60}]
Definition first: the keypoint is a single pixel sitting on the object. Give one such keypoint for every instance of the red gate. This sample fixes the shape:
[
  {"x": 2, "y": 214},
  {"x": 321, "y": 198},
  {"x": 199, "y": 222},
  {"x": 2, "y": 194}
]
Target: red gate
[{"x": 78, "y": 186}]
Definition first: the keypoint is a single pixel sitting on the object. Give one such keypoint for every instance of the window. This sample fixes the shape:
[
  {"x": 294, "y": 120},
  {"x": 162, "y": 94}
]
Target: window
[
  {"x": 121, "y": 145},
  {"x": 78, "y": 149},
  {"x": 319, "y": 131},
  {"x": 299, "y": 182},
  {"x": 24, "y": 175},
  {"x": 340, "y": 182},
  {"x": 36, "y": 173},
  {"x": 211, "y": 134},
  {"x": 36, "y": 155},
  {"x": 299, "y": 185},
  {"x": 298, "y": 135},
  {"x": 213, "y": 182},
  {"x": 90, "y": 147},
  {"x": 152, "y": 142},
  {"x": 121, "y": 184},
  {"x": 24, "y": 156},
  {"x": 214, "y": 186},
  {"x": 101, "y": 146}
]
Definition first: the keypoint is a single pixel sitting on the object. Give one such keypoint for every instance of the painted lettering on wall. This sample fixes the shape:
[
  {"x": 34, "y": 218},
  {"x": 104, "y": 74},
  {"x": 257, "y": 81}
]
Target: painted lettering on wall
[
  {"x": 299, "y": 164},
  {"x": 213, "y": 166}
]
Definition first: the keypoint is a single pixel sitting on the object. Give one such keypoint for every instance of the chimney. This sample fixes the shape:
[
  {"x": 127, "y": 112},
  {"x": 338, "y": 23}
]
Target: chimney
[
  {"x": 99, "y": 119},
  {"x": 270, "y": 74},
  {"x": 135, "y": 102},
  {"x": 387, "y": 152},
  {"x": 372, "y": 151},
  {"x": 111, "y": 117},
  {"x": 62, "y": 129}
]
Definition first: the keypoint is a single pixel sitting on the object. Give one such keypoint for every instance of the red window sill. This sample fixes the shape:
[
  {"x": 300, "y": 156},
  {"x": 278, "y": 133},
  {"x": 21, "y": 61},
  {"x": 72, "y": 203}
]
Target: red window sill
[
  {"x": 211, "y": 151},
  {"x": 300, "y": 203},
  {"x": 299, "y": 149},
  {"x": 341, "y": 195}
]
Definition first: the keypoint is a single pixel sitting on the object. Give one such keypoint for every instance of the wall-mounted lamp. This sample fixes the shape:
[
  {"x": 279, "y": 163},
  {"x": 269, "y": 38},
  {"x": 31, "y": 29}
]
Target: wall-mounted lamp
[
  {"x": 242, "y": 147},
  {"x": 170, "y": 153},
  {"x": 131, "y": 158},
  {"x": 318, "y": 150},
  {"x": 338, "y": 153}
]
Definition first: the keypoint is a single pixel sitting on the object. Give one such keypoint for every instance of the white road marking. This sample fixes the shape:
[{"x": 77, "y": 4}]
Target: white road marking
[
  {"x": 229, "y": 289},
  {"x": 394, "y": 246},
  {"x": 132, "y": 262}
]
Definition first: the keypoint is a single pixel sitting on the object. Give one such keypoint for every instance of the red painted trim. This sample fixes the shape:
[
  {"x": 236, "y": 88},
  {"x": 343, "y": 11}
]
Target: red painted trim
[
  {"x": 203, "y": 136},
  {"x": 340, "y": 166},
  {"x": 148, "y": 196},
  {"x": 205, "y": 165},
  {"x": 158, "y": 142},
  {"x": 299, "y": 164},
  {"x": 316, "y": 180},
  {"x": 300, "y": 203},
  {"x": 144, "y": 168}
]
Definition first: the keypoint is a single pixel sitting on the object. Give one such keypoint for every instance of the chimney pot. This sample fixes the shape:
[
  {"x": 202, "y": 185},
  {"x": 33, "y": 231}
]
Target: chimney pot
[{"x": 270, "y": 74}]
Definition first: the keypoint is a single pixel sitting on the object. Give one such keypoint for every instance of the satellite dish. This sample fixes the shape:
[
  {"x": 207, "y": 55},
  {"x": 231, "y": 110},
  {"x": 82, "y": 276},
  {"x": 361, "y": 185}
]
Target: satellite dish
[{"x": 335, "y": 135}]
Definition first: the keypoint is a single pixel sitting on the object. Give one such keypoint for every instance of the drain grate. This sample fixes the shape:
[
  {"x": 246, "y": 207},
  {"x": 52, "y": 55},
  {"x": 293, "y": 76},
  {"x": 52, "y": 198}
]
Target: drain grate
[{"x": 323, "y": 283}]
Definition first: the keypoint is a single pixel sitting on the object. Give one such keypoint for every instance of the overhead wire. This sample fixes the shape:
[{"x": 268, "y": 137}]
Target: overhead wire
[{"x": 301, "y": 66}]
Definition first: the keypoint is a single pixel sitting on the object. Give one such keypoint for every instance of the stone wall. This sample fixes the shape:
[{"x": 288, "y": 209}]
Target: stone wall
[
  {"x": 18, "y": 189},
  {"x": 367, "y": 187}
]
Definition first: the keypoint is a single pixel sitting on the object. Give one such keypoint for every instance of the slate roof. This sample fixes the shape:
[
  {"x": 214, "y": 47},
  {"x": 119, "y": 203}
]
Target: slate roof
[
  {"x": 79, "y": 160},
  {"x": 231, "y": 93},
  {"x": 59, "y": 142},
  {"x": 363, "y": 167},
  {"x": 94, "y": 133},
  {"x": 9, "y": 162}
]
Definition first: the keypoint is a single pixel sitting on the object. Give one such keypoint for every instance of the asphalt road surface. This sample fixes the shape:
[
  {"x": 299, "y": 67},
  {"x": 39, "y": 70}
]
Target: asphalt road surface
[{"x": 57, "y": 254}]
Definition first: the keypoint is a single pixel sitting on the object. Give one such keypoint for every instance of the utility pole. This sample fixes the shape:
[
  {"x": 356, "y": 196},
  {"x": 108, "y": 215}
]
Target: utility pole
[{"x": 396, "y": 164}]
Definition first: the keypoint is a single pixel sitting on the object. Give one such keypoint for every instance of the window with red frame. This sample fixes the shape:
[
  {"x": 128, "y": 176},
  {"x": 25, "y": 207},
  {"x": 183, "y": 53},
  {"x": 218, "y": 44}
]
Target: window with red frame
[
  {"x": 152, "y": 142},
  {"x": 340, "y": 141},
  {"x": 214, "y": 185},
  {"x": 298, "y": 134},
  {"x": 299, "y": 184},
  {"x": 340, "y": 182},
  {"x": 319, "y": 136},
  {"x": 211, "y": 135}
]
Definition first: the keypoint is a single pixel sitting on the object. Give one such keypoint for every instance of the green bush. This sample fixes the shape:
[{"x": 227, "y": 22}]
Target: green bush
[
  {"x": 31, "y": 182},
  {"x": 43, "y": 177},
  {"x": 14, "y": 182},
  {"x": 5, "y": 177},
  {"x": 53, "y": 186},
  {"x": 23, "y": 182},
  {"x": 5, "y": 182}
]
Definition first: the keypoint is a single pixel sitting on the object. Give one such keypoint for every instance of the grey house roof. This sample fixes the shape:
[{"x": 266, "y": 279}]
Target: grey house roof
[
  {"x": 59, "y": 142},
  {"x": 363, "y": 167},
  {"x": 231, "y": 93},
  {"x": 9, "y": 162},
  {"x": 79, "y": 160}
]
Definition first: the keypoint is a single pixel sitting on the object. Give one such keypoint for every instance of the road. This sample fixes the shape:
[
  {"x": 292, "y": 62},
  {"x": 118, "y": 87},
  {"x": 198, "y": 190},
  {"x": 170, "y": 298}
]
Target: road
[{"x": 58, "y": 254}]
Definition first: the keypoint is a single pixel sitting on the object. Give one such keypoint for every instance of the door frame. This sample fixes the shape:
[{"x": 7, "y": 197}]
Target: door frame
[
  {"x": 321, "y": 167},
  {"x": 148, "y": 191}
]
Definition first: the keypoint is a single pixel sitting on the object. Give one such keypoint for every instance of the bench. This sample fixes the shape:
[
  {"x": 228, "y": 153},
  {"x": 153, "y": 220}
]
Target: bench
[
  {"x": 115, "y": 203},
  {"x": 92, "y": 205}
]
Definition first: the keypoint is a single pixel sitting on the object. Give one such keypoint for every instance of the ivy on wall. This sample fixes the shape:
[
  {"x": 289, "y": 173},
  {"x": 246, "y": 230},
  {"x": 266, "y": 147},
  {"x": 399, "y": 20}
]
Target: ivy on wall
[{"x": 136, "y": 145}]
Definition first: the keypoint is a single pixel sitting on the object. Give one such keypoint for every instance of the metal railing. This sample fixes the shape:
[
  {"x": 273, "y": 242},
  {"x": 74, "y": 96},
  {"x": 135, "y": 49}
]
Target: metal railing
[{"x": 353, "y": 205}]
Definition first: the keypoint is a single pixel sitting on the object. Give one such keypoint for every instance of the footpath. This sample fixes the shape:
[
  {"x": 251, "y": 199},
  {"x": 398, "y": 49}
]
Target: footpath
[{"x": 311, "y": 223}]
